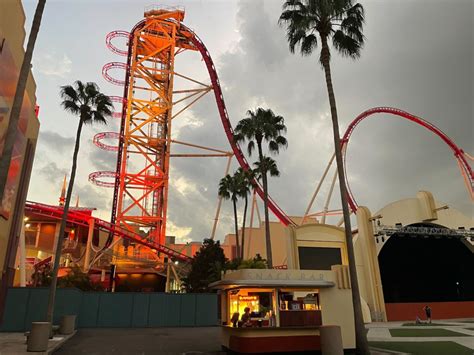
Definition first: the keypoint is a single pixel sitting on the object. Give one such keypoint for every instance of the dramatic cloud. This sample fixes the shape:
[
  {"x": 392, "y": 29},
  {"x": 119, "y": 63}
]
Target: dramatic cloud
[
  {"x": 410, "y": 61},
  {"x": 52, "y": 64},
  {"x": 56, "y": 142}
]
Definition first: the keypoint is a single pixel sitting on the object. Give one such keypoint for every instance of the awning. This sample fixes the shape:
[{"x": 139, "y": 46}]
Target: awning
[{"x": 308, "y": 284}]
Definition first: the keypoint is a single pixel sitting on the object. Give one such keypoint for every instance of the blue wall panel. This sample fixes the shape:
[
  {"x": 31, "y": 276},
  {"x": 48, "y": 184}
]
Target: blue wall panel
[
  {"x": 141, "y": 302},
  {"x": 89, "y": 309},
  {"x": 102, "y": 309},
  {"x": 206, "y": 309},
  {"x": 15, "y": 310},
  {"x": 188, "y": 310},
  {"x": 115, "y": 310},
  {"x": 172, "y": 310},
  {"x": 36, "y": 306},
  {"x": 156, "y": 316}
]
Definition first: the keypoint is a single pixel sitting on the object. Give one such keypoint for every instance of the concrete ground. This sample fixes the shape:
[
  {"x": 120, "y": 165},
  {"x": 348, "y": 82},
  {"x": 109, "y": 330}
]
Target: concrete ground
[
  {"x": 144, "y": 341},
  {"x": 15, "y": 344},
  {"x": 379, "y": 332}
]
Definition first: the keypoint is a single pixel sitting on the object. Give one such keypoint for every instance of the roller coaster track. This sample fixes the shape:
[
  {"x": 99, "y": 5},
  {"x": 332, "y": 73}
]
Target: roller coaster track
[
  {"x": 82, "y": 219},
  {"x": 197, "y": 43},
  {"x": 459, "y": 154}
]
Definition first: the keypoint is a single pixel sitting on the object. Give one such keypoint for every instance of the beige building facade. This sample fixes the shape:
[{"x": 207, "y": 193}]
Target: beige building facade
[
  {"x": 318, "y": 246},
  {"x": 12, "y": 38}
]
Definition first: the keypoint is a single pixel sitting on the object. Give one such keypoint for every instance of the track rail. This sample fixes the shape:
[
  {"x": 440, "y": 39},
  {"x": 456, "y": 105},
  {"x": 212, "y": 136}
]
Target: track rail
[
  {"x": 460, "y": 156},
  {"x": 277, "y": 211},
  {"x": 83, "y": 219}
]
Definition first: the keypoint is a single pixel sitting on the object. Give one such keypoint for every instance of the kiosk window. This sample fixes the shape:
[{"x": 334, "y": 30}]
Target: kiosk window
[{"x": 312, "y": 258}]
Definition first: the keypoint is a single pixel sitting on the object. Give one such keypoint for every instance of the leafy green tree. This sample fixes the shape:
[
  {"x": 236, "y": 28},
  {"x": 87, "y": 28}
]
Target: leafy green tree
[
  {"x": 261, "y": 127},
  {"x": 92, "y": 107},
  {"x": 75, "y": 278},
  {"x": 256, "y": 263},
  {"x": 246, "y": 185},
  {"x": 341, "y": 23},
  {"x": 230, "y": 188},
  {"x": 206, "y": 267}
]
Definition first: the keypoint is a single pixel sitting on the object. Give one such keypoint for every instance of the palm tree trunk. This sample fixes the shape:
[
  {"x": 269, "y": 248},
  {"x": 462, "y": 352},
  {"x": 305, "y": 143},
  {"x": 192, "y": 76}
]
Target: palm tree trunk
[
  {"x": 59, "y": 245},
  {"x": 361, "y": 336},
  {"x": 10, "y": 138},
  {"x": 236, "y": 226},
  {"x": 268, "y": 241},
  {"x": 243, "y": 226}
]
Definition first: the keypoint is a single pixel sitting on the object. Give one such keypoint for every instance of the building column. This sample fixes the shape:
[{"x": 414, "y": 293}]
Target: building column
[{"x": 369, "y": 264}]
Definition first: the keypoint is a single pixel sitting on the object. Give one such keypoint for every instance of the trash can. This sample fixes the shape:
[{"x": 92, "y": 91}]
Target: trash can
[
  {"x": 67, "y": 324},
  {"x": 331, "y": 340},
  {"x": 38, "y": 337}
]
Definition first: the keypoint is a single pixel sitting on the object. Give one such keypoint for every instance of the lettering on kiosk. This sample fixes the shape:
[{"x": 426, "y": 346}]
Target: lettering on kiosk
[{"x": 248, "y": 298}]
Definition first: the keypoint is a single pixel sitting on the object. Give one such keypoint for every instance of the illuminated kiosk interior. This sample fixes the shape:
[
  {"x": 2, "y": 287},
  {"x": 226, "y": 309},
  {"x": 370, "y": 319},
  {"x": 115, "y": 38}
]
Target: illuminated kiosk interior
[{"x": 287, "y": 308}]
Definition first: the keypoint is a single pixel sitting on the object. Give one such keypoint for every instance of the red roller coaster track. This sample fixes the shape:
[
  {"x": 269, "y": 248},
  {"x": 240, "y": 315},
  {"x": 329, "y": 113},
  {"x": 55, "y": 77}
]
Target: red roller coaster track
[
  {"x": 466, "y": 170},
  {"x": 199, "y": 45},
  {"x": 81, "y": 219},
  {"x": 196, "y": 41}
]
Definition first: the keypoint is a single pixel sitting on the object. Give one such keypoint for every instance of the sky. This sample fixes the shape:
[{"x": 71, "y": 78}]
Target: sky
[{"x": 418, "y": 57}]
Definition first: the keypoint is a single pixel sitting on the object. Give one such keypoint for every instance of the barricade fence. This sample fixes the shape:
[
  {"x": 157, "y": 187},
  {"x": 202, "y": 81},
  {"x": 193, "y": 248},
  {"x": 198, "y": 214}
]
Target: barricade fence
[{"x": 110, "y": 310}]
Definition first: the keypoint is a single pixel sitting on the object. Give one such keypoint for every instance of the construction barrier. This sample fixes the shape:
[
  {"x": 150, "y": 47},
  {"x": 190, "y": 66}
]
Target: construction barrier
[{"x": 110, "y": 310}]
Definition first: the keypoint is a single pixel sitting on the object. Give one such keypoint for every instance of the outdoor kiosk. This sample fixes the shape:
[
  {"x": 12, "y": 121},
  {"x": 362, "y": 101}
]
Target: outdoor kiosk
[{"x": 286, "y": 309}]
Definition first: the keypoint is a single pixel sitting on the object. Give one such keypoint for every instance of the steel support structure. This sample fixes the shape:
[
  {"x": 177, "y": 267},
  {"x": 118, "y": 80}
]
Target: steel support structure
[{"x": 144, "y": 175}]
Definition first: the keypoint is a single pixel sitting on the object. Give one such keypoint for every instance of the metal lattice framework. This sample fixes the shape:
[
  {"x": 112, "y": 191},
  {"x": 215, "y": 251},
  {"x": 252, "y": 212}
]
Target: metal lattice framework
[{"x": 150, "y": 104}]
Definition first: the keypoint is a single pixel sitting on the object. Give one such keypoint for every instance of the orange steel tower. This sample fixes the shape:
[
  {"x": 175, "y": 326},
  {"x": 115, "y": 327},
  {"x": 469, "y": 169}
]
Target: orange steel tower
[{"x": 144, "y": 171}]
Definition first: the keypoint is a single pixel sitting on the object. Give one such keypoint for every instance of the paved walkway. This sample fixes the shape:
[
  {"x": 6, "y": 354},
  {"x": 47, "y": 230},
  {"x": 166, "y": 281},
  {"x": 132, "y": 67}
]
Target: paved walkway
[
  {"x": 144, "y": 341},
  {"x": 15, "y": 344},
  {"x": 381, "y": 332}
]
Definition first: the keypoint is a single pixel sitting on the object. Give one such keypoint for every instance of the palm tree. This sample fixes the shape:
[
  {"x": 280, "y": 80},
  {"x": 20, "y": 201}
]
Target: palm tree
[
  {"x": 6, "y": 157},
  {"x": 262, "y": 126},
  {"x": 341, "y": 22},
  {"x": 229, "y": 188},
  {"x": 246, "y": 184},
  {"x": 92, "y": 107}
]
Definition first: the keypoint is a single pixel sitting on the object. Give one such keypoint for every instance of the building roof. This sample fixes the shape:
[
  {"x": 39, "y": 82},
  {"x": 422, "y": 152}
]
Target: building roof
[
  {"x": 264, "y": 278},
  {"x": 309, "y": 284}
]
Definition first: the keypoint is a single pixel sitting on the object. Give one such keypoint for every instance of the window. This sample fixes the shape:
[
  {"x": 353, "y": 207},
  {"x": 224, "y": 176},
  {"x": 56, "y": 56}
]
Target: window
[{"x": 314, "y": 258}]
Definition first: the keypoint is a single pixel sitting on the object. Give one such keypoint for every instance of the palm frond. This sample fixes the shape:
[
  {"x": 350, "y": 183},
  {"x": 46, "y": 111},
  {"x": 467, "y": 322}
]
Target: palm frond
[
  {"x": 346, "y": 45},
  {"x": 70, "y": 106},
  {"x": 68, "y": 93},
  {"x": 250, "y": 147}
]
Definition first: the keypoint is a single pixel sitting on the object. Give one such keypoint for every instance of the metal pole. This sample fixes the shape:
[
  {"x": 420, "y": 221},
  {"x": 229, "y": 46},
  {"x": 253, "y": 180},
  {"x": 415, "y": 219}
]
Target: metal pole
[
  {"x": 318, "y": 188},
  {"x": 22, "y": 254},
  {"x": 168, "y": 269},
  {"x": 176, "y": 277},
  {"x": 219, "y": 202},
  {"x": 341, "y": 221},
  {"x": 328, "y": 199},
  {"x": 90, "y": 235}
]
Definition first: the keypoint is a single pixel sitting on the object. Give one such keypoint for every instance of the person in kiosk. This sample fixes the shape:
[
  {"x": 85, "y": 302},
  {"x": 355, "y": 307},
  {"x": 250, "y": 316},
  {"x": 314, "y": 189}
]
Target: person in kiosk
[{"x": 246, "y": 318}]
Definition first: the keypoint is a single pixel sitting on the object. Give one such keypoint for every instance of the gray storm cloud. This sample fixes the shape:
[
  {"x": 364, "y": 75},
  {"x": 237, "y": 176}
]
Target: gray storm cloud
[{"x": 418, "y": 57}]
